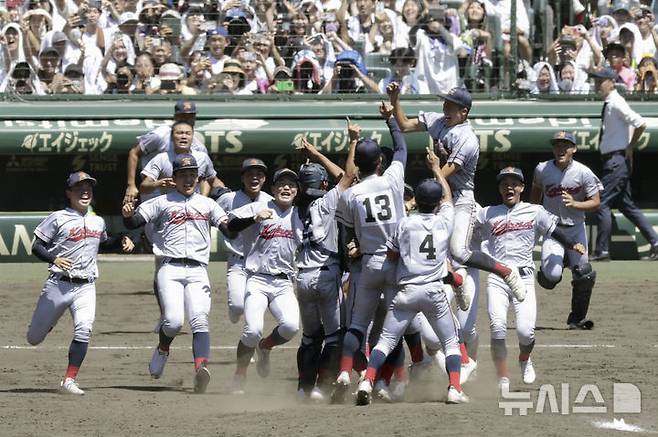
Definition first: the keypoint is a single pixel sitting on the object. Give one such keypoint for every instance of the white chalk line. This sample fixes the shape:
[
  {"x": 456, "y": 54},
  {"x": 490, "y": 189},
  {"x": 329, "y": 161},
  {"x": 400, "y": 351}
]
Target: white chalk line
[{"x": 150, "y": 347}]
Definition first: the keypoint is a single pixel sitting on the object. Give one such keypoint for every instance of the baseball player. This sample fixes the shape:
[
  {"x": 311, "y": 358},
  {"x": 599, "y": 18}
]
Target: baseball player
[
  {"x": 182, "y": 220},
  {"x": 158, "y": 141},
  {"x": 567, "y": 189},
  {"x": 272, "y": 232},
  {"x": 319, "y": 273},
  {"x": 420, "y": 247},
  {"x": 253, "y": 176},
  {"x": 459, "y": 147},
  {"x": 68, "y": 240},
  {"x": 511, "y": 229},
  {"x": 370, "y": 211}
]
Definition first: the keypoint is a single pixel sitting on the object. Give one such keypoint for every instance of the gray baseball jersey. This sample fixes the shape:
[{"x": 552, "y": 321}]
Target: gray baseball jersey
[
  {"x": 182, "y": 224},
  {"x": 75, "y": 236},
  {"x": 161, "y": 166},
  {"x": 512, "y": 232},
  {"x": 422, "y": 241},
  {"x": 235, "y": 200},
  {"x": 373, "y": 207},
  {"x": 462, "y": 145},
  {"x": 159, "y": 140},
  {"x": 320, "y": 247},
  {"x": 273, "y": 243},
  {"x": 577, "y": 180}
]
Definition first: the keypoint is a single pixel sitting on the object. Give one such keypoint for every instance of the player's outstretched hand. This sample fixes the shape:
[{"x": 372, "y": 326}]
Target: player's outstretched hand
[
  {"x": 431, "y": 159},
  {"x": 386, "y": 110},
  {"x": 63, "y": 263},
  {"x": 353, "y": 130},
  {"x": 131, "y": 194},
  {"x": 307, "y": 148},
  {"x": 393, "y": 91},
  {"x": 264, "y": 214},
  {"x": 580, "y": 248},
  {"x": 128, "y": 210},
  {"x": 127, "y": 244}
]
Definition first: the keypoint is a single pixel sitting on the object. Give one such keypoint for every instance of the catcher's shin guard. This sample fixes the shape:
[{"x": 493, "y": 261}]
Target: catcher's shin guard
[
  {"x": 582, "y": 284},
  {"x": 308, "y": 356}
]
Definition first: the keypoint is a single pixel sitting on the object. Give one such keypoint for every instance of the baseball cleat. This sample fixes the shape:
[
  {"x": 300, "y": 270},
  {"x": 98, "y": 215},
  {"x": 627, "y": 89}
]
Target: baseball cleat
[
  {"x": 462, "y": 299},
  {"x": 382, "y": 392},
  {"x": 456, "y": 397},
  {"x": 237, "y": 387},
  {"x": 363, "y": 392},
  {"x": 515, "y": 283},
  {"x": 317, "y": 395},
  {"x": 467, "y": 370},
  {"x": 69, "y": 387},
  {"x": 527, "y": 371},
  {"x": 157, "y": 364},
  {"x": 584, "y": 324},
  {"x": 341, "y": 387},
  {"x": 439, "y": 359},
  {"x": 263, "y": 362},
  {"x": 201, "y": 380},
  {"x": 503, "y": 385}
]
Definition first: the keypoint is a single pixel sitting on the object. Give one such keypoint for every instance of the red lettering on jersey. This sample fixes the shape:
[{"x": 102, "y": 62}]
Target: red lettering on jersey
[
  {"x": 502, "y": 227},
  {"x": 556, "y": 190},
  {"x": 181, "y": 216},
  {"x": 77, "y": 234},
  {"x": 273, "y": 231}
]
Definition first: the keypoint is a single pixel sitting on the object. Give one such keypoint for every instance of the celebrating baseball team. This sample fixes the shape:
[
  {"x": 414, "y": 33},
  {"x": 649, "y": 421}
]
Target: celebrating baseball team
[{"x": 366, "y": 263}]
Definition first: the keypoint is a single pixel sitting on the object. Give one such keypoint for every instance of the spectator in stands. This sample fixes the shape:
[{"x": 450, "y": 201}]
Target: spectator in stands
[
  {"x": 249, "y": 62},
  {"x": 62, "y": 10},
  {"x": 545, "y": 82},
  {"x": 116, "y": 57},
  {"x": 646, "y": 23},
  {"x": 382, "y": 36},
  {"x": 577, "y": 45},
  {"x": 161, "y": 54},
  {"x": 571, "y": 79},
  {"x": 283, "y": 83},
  {"x": 402, "y": 61},
  {"x": 413, "y": 15},
  {"x": 621, "y": 11},
  {"x": 35, "y": 24},
  {"x": 127, "y": 26},
  {"x": 268, "y": 59},
  {"x": 47, "y": 68},
  {"x": 144, "y": 80},
  {"x": 200, "y": 72},
  {"x": 350, "y": 75},
  {"x": 307, "y": 73},
  {"x": 172, "y": 81},
  {"x": 647, "y": 75},
  {"x": 631, "y": 39},
  {"x": 615, "y": 54},
  {"x": 324, "y": 52},
  {"x": 477, "y": 46},
  {"x": 502, "y": 9},
  {"x": 437, "y": 66},
  {"x": 21, "y": 80},
  {"x": 72, "y": 82},
  {"x": 217, "y": 41},
  {"x": 354, "y": 28},
  {"x": 192, "y": 32},
  {"x": 605, "y": 28},
  {"x": 12, "y": 46}
]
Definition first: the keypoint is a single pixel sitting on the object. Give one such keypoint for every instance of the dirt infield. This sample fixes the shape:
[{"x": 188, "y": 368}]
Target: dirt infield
[{"x": 121, "y": 398}]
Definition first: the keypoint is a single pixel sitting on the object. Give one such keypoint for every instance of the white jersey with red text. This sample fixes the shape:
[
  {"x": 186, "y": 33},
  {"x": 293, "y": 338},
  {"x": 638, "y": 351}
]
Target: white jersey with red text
[
  {"x": 511, "y": 232},
  {"x": 182, "y": 224},
  {"x": 235, "y": 200},
  {"x": 273, "y": 243},
  {"x": 577, "y": 180},
  {"x": 373, "y": 208},
  {"x": 69, "y": 234}
]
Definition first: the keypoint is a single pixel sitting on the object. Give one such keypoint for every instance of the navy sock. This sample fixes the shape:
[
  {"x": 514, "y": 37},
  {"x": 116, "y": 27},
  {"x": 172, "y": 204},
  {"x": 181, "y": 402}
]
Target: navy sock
[
  {"x": 200, "y": 346},
  {"x": 376, "y": 360},
  {"x": 453, "y": 363},
  {"x": 77, "y": 353}
]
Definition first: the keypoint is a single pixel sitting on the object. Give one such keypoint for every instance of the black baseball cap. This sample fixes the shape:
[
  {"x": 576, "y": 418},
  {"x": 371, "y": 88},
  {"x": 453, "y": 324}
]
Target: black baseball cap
[
  {"x": 79, "y": 176},
  {"x": 604, "y": 73},
  {"x": 184, "y": 161},
  {"x": 311, "y": 177},
  {"x": 428, "y": 192},
  {"x": 252, "y": 163},
  {"x": 460, "y": 96},
  {"x": 367, "y": 151},
  {"x": 185, "y": 107},
  {"x": 510, "y": 171},
  {"x": 564, "y": 135},
  {"x": 285, "y": 172}
]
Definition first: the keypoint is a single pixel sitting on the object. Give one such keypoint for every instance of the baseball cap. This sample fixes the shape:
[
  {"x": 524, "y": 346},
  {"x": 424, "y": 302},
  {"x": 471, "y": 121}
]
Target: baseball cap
[
  {"x": 79, "y": 176},
  {"x": 73, "y": 71},
  {"x": 184, "y": 106},
  {"x": 460, "y": 96},
  {"x": 510, "y": 171},
  {"x": 217, "y": 31},
  {"x": 367, "y": 151},
  {"x": 604, "y": 73},
  {"x": 170, "y": 71},
  {"x": 253, "y": 163},
  {"x": 311, "y": 177},
  {"x": 184, "y": 161},
  {"x": 284, "y": 172},
  {"x": 128, "y": 17},
  {"x": 621, "y": 5},
  {"x": 564, "y": 135},
  {"x": 48, "y": 49},
  {"x": 428, "y": 192},
  {"x": 58, "y": 37}
]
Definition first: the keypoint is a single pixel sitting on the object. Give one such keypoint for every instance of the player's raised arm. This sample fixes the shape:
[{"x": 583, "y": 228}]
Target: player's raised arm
[
  {"x": 399, "y": 143},
  {"x": 133, "y": 160},
  {"x": 313, "y": 154},
  {"x": 434, "y": 164},
  {"x": 406, "y": 124}
]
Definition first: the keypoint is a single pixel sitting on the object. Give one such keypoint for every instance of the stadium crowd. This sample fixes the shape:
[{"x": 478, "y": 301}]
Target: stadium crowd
[{"x": 249, "y": 47}]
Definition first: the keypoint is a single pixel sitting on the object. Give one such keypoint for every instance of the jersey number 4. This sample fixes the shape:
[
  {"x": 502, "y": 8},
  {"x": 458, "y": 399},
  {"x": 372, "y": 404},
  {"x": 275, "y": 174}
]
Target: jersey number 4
[
  {"x": 427, "y": 247},
  {"x": 384, "y": 204}
]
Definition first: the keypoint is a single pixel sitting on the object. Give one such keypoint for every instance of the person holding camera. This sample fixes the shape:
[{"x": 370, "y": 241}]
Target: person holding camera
[
  {"x": 648, "y": 74},
  {"x": 115, "y": 58},
  {"x": 200, "y": 72},
  {"x": 350, "y": 76},
  {"x": 646, "y": 24},
  {"x": 22, "y": 80}
]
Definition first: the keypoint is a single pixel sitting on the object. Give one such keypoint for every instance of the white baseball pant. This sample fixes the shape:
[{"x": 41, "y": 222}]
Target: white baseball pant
[
  {"x": 318, "y": 293},
  {"x": 236, "y": 283},
  {"x": 499, "y": 297},
  {"x": 552, "y": 252}
]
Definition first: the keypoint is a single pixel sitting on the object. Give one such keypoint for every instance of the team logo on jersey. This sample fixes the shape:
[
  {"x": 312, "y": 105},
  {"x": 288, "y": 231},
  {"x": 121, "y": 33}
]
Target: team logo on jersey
[
  {"x": 274, "y": 231},
  {"x": 556, "y": 190},
  {"x": 77, "y": 234},
  {"x": 182, "y": 216},
  {"x": 502, "y": 227}
]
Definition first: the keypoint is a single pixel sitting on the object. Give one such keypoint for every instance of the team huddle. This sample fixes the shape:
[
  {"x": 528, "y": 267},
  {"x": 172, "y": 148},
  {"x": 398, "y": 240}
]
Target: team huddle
[{"x": 353, "y": 257}]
